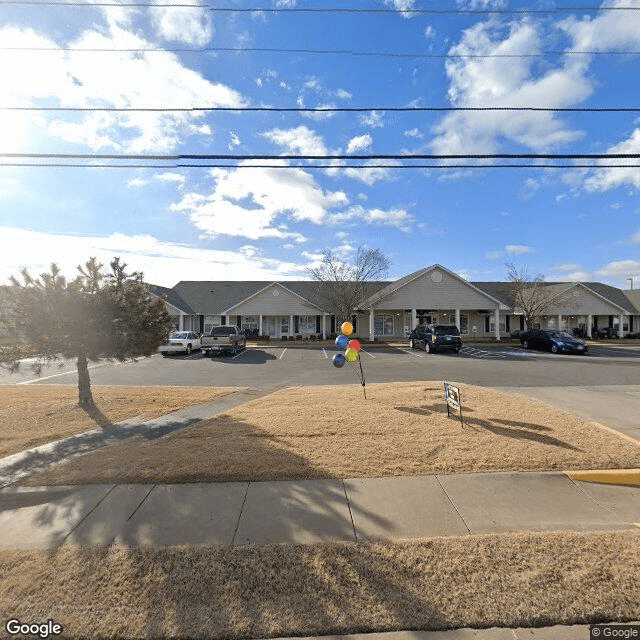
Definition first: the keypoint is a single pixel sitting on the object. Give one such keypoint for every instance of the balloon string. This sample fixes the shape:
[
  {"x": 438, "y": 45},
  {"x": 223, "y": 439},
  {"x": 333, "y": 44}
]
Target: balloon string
[{"x": 360, "y": 376}]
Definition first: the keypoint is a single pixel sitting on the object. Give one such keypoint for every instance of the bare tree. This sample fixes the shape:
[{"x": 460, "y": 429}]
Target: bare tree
[
  {"x": 94, "y": 316},
  {"x": 531, "y": 295},
  {"x": 344, "y": 286}
]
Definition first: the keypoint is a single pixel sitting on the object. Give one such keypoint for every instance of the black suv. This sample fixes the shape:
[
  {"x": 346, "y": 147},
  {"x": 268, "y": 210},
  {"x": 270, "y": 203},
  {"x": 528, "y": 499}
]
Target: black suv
[{"x": 436, "y": 337}]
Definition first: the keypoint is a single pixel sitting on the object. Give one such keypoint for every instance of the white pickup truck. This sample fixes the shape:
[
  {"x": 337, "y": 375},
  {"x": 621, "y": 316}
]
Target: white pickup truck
[{"x": 222, "y": 340}]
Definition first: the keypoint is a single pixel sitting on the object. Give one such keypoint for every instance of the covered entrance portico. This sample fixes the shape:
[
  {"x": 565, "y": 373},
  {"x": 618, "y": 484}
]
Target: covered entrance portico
[{"x": 436, "y": 295}]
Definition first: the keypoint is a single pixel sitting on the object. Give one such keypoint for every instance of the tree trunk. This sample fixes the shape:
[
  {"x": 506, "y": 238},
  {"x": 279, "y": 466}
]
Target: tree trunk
[{"x": 85, "y": 399}]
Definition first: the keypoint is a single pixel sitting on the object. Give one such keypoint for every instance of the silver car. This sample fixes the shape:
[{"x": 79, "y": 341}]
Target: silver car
[{"x": 180, "y": 342}]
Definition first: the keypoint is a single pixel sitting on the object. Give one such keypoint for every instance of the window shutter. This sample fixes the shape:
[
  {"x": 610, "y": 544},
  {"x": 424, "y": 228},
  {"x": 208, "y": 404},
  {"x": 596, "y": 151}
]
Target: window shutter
[
  {"x": 317, "y": 324},
  {"x": 296, "y": 324},
  {"x": 487, "y": 327},
  {"x": 507, "y": 325}
]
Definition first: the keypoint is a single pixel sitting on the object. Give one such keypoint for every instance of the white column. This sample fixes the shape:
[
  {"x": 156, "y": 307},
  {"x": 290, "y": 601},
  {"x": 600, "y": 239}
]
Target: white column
[
  {"x": 621, "y": 326},
  {"x": 458, "y": 319},
  {"x": 291, "y": 325},
  {"x": 496, "y": 317},
  {"x": 260, "y": 325},
  {"x": 589, "y": 323},
  {"x": 324, "y": 326},
  {"x": 414, "y": 319},
  {"x": 371, "y": 326},
  {"x": 559, "y": 322}
]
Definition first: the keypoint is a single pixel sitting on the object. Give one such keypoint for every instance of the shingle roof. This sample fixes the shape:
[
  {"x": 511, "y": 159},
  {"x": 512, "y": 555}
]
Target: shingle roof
[
  {"x": 213, "y": 297},
  {"x": 172, "y": 298}
]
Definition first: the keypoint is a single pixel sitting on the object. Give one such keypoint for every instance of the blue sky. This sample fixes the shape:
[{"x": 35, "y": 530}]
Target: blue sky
[{"x": 272, "y": 223}]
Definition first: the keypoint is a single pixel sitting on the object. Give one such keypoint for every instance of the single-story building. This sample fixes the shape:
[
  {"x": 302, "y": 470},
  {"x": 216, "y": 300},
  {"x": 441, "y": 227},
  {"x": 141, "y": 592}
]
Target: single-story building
[{"x": 434, "y": 294}]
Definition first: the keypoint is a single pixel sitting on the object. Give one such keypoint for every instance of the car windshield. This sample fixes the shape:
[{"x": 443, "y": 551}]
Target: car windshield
[
  {"x": 561, "y": 335},
  {"x": 447, "y": 330},
  {"x": 177, "y": 335},
  {"x": 222, "y": 331}
]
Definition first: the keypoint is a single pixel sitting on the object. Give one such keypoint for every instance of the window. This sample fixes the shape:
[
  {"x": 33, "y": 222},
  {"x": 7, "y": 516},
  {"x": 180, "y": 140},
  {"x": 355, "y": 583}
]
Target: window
[
  {"x": 492, "y": 324},
  {"x": 383, "y": 324},
  {"x": 284, "y": 325},
  {"x": 307, "y": 324},
  {"x": 464, "y": 325}
]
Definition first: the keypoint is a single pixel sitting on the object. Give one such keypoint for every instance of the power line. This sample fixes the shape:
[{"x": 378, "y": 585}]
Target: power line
[
  {"x": 329, "y": 109},
  {"x": 352, "y": 10},
  {"x": 350, "y": 157},
  {"x": 382, "y": 54},
  {"x": 315, "y": 166}
]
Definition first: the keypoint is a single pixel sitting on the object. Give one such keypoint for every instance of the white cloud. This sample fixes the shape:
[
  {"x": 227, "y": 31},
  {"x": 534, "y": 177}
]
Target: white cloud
[
  {"x": 605, "y": 179},
  {"x": 234, "y": 141},
  {"x": 517, "y": 249},
  {"x": 300, "y": 140},
  {"x": 163, "y": 263},
  {"x": 182, "y": 24},
  {"x": 371, "y": 172},
  {"x": 493, "y": 255},
  {"x": 403, "y": 6},
  {"x": 373, "y": 119},
  {"x": 169, "y": 176},
  {"x": 124, "y": 79},
  {"x": 430, "y": 32},
  {"x": 414, "y": 133},
  {"x": 359, "y": 143},
  {"x": 321, "y": 115},
  {"x": 396, "y": 217},
  {"x": 636, "y": 237},
  {"x": 620, "y": 269},
  {"x": 248, "y": 202},
  {"x": 510, "y": 81}
]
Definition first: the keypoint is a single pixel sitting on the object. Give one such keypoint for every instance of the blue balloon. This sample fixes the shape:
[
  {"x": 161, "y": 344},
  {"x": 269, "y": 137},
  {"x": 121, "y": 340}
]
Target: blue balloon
[
  {"x": 338, "y": 360},
  {"x": 341, "y": 343}
]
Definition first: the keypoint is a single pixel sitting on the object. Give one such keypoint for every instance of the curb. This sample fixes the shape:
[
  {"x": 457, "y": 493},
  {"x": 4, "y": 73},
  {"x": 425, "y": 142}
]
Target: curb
[{"x": 608, "y": 476}]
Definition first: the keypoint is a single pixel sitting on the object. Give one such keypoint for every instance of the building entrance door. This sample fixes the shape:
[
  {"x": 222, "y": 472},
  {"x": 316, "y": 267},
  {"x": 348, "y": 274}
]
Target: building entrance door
[{"x": 270, "y": 327}]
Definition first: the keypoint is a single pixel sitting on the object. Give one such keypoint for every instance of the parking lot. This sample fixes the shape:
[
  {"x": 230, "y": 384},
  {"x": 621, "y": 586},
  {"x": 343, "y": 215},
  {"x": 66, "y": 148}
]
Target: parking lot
[{"x": 270, "y": 366}]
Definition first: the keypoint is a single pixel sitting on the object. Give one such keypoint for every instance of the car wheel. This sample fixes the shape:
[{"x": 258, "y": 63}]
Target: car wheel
[
  {"x": 189, "y": 349},
  {"x": 427, "y": 347},
  {"x": 164, "y": 354},
  {"x": 457, "y": 351},
  {"x": 554, "y": 349},
  {"x": 411, "y": 344},
  {"x": 525, "y": 344}
]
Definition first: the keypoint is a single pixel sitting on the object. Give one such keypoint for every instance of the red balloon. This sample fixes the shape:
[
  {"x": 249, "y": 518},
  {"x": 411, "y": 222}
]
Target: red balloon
[{"x": 354, "y": 344}]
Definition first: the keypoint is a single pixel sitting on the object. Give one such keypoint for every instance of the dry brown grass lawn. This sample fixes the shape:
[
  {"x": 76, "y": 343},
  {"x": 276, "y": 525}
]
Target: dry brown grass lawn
[
  {"x": 320, "y": 432},
  {"x": 262, "y": 591},
  {"x": 35, "y": 414}
]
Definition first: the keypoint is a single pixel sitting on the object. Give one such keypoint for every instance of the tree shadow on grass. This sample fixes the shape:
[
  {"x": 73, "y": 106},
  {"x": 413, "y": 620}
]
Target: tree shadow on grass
[{"x": 499, "y": 426}]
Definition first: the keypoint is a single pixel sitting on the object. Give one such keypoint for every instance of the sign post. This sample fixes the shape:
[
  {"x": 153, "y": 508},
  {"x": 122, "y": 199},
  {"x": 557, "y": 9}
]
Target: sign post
[{"x": 452, "y": 396}]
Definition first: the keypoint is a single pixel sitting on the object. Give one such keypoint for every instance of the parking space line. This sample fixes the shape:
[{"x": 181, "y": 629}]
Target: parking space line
[
  {"x": 411, "y": 353},
  {"x": 65, "y": 373},
  {"x": 282, "y": 354},
  {"x": 325, "y": 353},
  {"x": 369, "y": 354}
]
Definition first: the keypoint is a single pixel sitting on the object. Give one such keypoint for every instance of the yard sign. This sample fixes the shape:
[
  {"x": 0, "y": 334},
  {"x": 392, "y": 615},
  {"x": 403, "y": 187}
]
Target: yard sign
[{"x": 452, "y": 396}]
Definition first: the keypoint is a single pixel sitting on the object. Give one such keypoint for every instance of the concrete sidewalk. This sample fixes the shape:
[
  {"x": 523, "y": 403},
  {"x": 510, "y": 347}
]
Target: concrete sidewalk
[
  {"x": 26, "y": 463},
  {"x": 307, "y": 511}
]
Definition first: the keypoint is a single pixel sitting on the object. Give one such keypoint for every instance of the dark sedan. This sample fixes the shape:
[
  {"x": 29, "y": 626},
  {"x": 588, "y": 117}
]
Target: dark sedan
[{"x": 554, "y": 341}]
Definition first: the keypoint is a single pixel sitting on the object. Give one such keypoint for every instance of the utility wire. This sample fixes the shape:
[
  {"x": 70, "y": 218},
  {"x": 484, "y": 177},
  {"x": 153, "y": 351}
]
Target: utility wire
[
  {"x": 316, "y": 166},
  {"x": 381, "y": 54},
  {"x": 352, "y": 158},
  {"x": 329, "y": 109},
  {"x": 353, "y": 10}
]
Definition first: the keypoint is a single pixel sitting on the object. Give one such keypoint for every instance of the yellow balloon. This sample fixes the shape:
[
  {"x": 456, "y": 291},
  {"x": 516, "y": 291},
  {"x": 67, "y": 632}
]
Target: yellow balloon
[
  {"x": 351, "y": 355},
  {"x": 346, "y": 328}
]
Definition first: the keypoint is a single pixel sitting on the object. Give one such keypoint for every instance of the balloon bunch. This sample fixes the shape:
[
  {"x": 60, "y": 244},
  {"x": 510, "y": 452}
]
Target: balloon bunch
[{"x": 351, "y": 353}]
